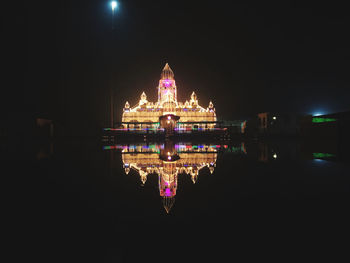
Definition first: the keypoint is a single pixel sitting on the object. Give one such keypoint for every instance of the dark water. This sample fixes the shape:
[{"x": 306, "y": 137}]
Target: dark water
[{"x": 72, "y": 201}]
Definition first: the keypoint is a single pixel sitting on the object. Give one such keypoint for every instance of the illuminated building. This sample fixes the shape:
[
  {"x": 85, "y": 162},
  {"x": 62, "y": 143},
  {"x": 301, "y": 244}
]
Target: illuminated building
[
  {"x": 168, "y": 161},
  {"x": 167, "y": 112}
]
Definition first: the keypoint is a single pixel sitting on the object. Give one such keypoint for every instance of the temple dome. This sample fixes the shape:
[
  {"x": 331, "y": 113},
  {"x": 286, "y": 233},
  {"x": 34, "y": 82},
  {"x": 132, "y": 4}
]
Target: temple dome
[
  {"x": 167, "y": 73},
  {"x": 193, "y": 96}
]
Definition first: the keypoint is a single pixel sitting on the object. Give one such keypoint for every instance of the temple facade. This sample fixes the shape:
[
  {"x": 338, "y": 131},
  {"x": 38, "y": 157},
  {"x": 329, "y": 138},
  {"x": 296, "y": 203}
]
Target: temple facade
[{"x": 167, "y": 110}]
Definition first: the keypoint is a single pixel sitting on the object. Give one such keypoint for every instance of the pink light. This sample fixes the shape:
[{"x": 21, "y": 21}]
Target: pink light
[
  {"x": 167, "y": 83},
  {"x": 167, "y": 192}
]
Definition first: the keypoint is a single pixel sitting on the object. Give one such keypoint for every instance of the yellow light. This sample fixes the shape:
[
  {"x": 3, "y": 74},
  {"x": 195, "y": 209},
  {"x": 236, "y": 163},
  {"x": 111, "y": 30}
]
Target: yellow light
[{"x": 274, "y": 156}]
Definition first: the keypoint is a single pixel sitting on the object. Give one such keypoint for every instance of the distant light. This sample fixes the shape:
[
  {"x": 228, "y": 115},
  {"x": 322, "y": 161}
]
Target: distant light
[
  {"x": 322, "y": 155},
  {"x": 274, "y": 156},
  {"x": 317, "y": 114},
  {"x": 114, "y": 5},
  {"x": 318, "y": 119},
  {"x": 274, "y": 117}
]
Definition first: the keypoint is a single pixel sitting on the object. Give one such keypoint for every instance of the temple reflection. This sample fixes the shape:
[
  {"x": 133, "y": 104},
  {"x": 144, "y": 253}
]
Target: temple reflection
[{"x": 168, "y": 160}]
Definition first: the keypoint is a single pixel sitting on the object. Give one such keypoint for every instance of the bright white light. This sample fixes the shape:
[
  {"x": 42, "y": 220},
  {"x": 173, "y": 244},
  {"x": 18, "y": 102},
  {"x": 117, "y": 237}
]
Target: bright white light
[
  {"x": 274, "y": 156},
  {"x": 169, "y": 158},
  {"x": 317, "y": 114},
  {"x": 114, "y": 5},
  {"x": 169, "y": 117},
  {"x": 274, "y": 117}
]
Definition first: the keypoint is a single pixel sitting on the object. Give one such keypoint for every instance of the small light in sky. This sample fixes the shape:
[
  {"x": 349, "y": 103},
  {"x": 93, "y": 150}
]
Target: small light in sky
[{"x": 114, "y": 5}]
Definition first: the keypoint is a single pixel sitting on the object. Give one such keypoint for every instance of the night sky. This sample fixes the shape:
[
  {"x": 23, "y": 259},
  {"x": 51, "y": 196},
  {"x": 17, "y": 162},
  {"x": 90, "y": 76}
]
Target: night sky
[{"x": 62, "y": 56}]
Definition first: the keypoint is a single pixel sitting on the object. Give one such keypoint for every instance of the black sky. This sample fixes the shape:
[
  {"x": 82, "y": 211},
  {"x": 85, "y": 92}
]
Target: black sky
[{"x": 248, "y": 57}]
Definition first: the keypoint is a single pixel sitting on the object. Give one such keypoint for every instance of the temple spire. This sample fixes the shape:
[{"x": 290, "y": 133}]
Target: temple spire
[
  {"x": 168, "y": 203},
  {"x": 167, "y": 73}
]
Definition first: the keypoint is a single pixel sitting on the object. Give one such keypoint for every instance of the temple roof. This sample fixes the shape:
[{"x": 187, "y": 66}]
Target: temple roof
[{"x": 167, "y": 73}]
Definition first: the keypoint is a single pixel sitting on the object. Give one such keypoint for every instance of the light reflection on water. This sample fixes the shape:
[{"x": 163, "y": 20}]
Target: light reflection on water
[
  {"x": 79, "y": 190},
  {"x": 168, "y": 160}
]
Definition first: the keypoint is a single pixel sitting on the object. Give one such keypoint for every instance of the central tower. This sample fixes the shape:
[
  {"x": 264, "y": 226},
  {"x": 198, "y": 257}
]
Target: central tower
[{"x": 167, "y": 94}]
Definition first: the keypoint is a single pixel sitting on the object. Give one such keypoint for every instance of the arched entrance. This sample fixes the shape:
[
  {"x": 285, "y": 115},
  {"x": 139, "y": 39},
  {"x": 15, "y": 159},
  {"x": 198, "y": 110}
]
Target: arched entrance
[{"x": 168, "y": 122}]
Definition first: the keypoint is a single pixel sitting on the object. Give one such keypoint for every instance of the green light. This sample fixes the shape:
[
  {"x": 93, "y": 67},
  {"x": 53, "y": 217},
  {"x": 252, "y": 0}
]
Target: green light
[
  {"x": 322, "y": 155},
  {"x": 235, "y": 149},
  {"x": 319, "y": 120}
]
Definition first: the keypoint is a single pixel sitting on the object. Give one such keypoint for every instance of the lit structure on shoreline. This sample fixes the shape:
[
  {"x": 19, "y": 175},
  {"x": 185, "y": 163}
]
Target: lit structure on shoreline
[{"x": 167, "y": 112}]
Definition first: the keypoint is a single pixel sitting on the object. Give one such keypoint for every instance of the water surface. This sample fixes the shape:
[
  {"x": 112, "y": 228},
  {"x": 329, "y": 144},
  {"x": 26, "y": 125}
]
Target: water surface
[{"x": 78, "y": 200}]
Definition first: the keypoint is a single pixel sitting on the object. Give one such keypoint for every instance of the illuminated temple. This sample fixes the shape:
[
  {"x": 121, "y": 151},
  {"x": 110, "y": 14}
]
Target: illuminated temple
[
  {"x": 167, "y": 111},
  {"x": 168, "y": 161}
]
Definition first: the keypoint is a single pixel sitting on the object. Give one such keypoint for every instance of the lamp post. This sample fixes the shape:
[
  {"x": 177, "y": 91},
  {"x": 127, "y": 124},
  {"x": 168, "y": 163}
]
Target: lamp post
[{"x": 114, "y": 5}]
